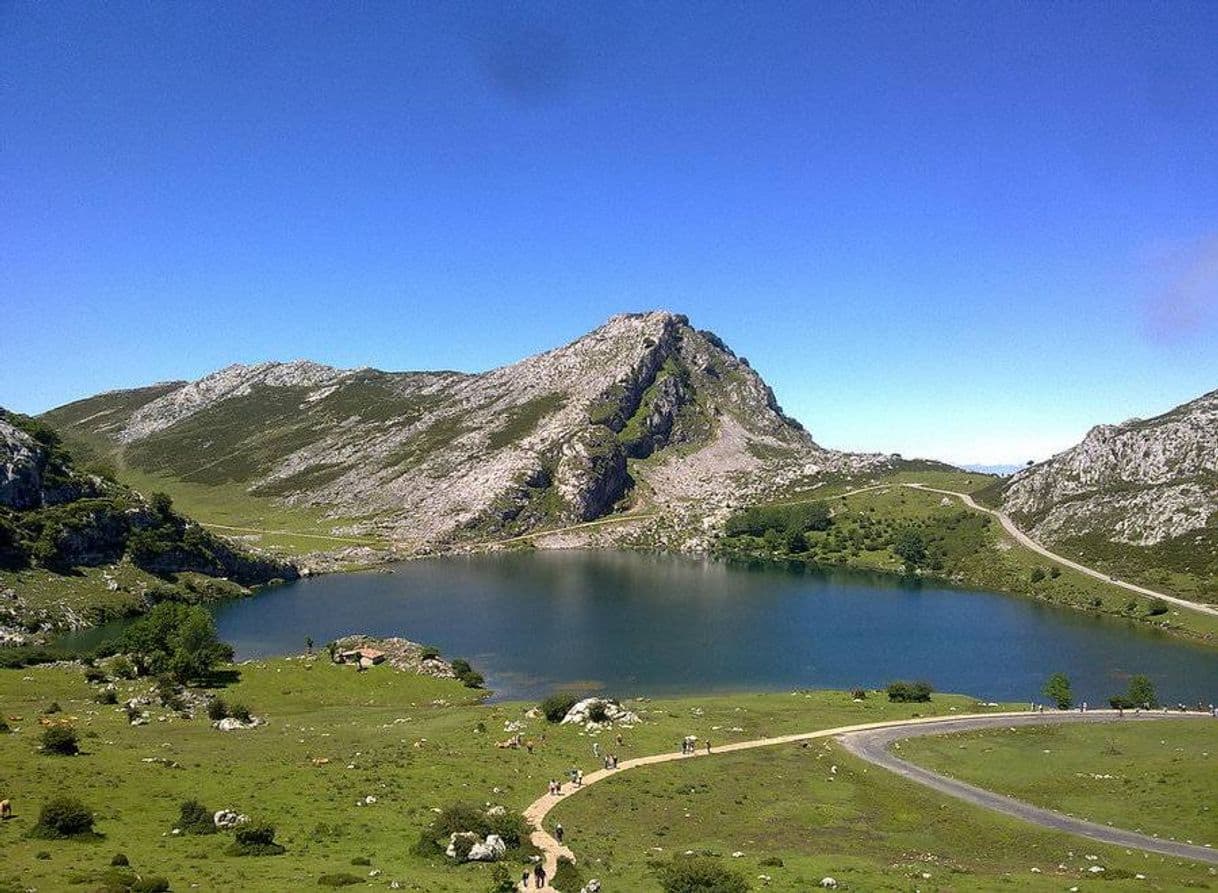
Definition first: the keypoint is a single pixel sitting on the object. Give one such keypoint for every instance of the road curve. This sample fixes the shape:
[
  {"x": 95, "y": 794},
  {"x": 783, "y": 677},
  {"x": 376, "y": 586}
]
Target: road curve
[
  {"x": 873, "y": 746},
  {"x": 551, "y": 849},
  {"x": 1024, "y": 540}
]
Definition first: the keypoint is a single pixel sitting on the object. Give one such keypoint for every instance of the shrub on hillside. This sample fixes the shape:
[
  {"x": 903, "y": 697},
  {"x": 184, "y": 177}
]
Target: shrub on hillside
[
  {"x": 1157, "y": 607},
  {"x": 910, "y": 692},
  {"x": 120, "y": 860},
  {"x": 598, "y": 711},
  {"x": 458, "y": 817},
  {"x": 567, "y": 878},
  {"x": 122, "y": 667},
  {"x": 240, "y": 712},
  {"x": 468, "y": 676},
  {"x": 63, "y": 817},
  {"x": 699, "y": 874},
  {"x": 107, "y": 696},
  {"x": 94, "y": 675},
  {"x": 255, "y": 840},
  {"x": 60, "y": 741},
  {"x": 556, "y": 706},
  {"x": 340, "y": 879},
  {"x": 195, "y": 818},
  {"x": 4, "y": 728},
  {"x": 53, "y": 708},
  {"x": 217, "y": 709}
]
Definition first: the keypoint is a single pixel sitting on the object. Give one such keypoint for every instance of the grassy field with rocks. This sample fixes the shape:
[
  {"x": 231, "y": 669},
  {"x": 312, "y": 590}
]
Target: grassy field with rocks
[{"x": 332, "y": 738}]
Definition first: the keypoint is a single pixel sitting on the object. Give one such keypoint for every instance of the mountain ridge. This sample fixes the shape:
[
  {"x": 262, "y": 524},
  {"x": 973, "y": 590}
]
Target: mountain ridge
[{"x": 645, "y": 409}]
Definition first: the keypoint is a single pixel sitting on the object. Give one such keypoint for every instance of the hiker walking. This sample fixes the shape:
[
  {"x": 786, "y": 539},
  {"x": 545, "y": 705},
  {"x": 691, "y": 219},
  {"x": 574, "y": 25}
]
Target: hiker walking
[
  {"x": 558, "y": 833},
  {"x": 596, "y": 748},
  {"x": 579, "y": 778},
  {"x": 524, "y": 879},
  {"x": 708, "y": 745},
  {"x": 539, "y": 875}
]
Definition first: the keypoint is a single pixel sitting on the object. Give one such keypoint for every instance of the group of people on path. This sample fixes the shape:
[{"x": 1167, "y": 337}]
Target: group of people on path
[
  {"x": 539, "y": 876},
  {"x": 689, "y": 745}
]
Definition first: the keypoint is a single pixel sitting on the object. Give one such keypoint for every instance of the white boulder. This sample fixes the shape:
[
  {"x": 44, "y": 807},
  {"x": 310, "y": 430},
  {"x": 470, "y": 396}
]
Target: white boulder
[{"x": 580, "y": 712}]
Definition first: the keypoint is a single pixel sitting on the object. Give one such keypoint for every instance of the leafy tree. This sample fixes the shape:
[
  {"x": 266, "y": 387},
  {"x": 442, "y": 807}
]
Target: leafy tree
[
  {"x": 910, "y": 547},
  {"x": 1037, "y": 574},
  {"x": 1057, "y": 690},
  {"x": 1142, "y": 692},
  {"x": 176, "y": 638}
]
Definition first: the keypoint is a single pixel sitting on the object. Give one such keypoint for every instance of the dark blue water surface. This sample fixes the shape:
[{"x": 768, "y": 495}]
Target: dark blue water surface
[{"x": 634, "y": 624}]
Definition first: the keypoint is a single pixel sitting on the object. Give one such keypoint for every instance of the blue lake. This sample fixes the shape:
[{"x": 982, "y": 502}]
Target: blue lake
[{"x": 636, "y": 624}]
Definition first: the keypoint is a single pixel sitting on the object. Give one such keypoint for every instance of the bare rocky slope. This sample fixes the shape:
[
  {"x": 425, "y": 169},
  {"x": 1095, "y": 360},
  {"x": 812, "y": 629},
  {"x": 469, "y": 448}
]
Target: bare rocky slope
[{"x": 645, "y": 411}]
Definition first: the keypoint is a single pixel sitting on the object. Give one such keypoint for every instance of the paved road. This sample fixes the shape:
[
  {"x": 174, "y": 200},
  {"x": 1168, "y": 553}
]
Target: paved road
[
  {"x": 1024, "y": 540},
  {"x": 932, "y": 725},
  {"x": 873, "y": 746}
]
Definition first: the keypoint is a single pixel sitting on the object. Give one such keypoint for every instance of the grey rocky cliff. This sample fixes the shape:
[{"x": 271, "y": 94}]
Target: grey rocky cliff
[
  {"x": 20, "y": 474},
  {"x": 1140, "y": 482}
]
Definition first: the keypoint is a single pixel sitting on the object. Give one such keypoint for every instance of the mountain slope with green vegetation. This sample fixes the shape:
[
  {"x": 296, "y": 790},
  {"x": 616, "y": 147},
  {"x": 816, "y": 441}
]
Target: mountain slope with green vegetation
[
  {"x": 644, "y": 411},
  {"x": 78, "y": 548},
  {"x": 882, "y": 524},
  {"x": 1138, "y": 500}
]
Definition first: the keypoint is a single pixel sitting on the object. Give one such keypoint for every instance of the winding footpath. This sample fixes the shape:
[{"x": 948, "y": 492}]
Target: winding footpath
[
  {"x": 1027, "y": 542},
  {"x": 870, "y": 741}
]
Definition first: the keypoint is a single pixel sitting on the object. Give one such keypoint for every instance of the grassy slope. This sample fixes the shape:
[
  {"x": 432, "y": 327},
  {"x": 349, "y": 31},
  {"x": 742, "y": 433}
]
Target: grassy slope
[
  {"x": 976, "y": 553},
  {"x": 861, "y": 825},
  {"x": 1163, "y": 777},
  {"x": 412, "y": 742},
  {"x": 230, "y": 509}
]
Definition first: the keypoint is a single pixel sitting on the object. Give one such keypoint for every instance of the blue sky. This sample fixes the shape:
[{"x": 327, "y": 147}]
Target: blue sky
[{"x": 968, "y": 231}]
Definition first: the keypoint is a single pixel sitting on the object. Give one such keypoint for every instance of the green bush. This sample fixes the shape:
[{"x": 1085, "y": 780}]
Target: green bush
[
  {"x": 122, "y": 667},
  {"x": 255, "y": 840},
  {"x": 120, "y": 860},
  {"x": 60, "y": 741},
  {"x": 4, "y": 728},
  {"x": 241, "y": 712},
  {"x": 217, "y": 709},
  {"x": 63, "y": 817},
  {"x": 429, "y": 652},
  {"x": 94, "y": 675},
  {"x": 567, "y": 878},
  {"x": 699, "y": 874},
  {"x": 341, "y": 879},
  {"x": 556, "y": 706},
  {"x": 107, "y": 696},
  {"x": 53, "y": 708},
  {"x": 467, "y": 675},
  {"x": 910, "y": 692},
  {"x": 1157, "y": 607},
  {"x": 458, "y": 817},
  {"x": 361, "y": 860},
  {"x": 1057, "y": 690},
  {"x": 598, "y": 712},
  {"x": 195, "y": 818}
]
